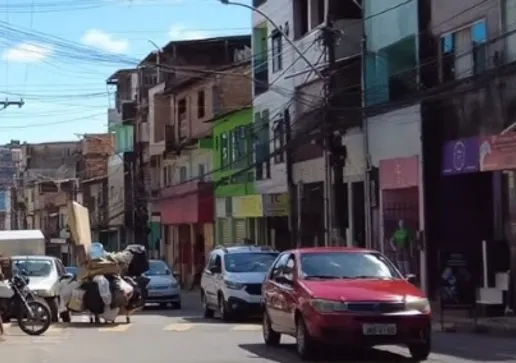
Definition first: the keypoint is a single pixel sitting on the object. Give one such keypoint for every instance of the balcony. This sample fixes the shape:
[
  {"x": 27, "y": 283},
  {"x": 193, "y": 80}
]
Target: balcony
[
  {"x": 261, "y": 76},
  {"x": 114, "y": 117}
]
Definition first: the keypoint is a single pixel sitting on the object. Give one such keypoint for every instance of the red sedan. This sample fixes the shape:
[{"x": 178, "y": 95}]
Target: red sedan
[{"x": 343, "y": 296}]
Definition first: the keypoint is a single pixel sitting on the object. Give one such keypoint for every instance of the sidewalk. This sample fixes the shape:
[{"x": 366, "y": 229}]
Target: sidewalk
[{"x": 500, "y": 326}]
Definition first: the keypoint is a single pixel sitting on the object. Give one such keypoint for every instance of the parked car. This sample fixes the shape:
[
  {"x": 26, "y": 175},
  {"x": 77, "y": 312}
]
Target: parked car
[
  {"x": 163, "y": 288},
  {"x": 232, "y": 280},
  {"x": 344, "y": 296},
  {"x": 44, "y": 273}
]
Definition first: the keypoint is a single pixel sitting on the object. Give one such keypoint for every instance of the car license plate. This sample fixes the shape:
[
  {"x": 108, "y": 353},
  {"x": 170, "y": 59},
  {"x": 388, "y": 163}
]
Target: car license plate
[{"x": 379, "y": 329}]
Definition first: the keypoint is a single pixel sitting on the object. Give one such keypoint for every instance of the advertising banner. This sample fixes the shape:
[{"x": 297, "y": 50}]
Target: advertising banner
[
  {"x": 498, "y": 152},
  {"x": 461, "y": 156}
]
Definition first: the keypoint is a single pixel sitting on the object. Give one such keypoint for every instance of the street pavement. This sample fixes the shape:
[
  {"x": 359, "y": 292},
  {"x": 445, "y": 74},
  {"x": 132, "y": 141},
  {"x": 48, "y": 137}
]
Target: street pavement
[{"x": 164, "y": 336}]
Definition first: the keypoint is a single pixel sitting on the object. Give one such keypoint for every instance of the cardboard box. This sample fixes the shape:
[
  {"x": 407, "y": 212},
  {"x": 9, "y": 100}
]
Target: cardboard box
[{"x": 79, "y": 223}]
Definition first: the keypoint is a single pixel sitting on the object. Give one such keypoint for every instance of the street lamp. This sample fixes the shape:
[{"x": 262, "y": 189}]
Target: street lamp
[{"x": 276, "y": 27}]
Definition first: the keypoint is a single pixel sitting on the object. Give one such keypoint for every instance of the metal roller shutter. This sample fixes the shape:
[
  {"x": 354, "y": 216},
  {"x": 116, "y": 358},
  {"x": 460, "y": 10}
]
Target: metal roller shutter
[
  {"x": 224, "y": 230},
  {"x": 240, "y": 230}
]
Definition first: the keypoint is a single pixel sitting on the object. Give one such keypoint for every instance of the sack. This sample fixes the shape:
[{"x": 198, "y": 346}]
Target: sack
[
  {"x": 137, "y": 298},
  {"x": 92, "y": 300},
  {"x": 110, "y": 314},
  {"x": 66, "y": 290},
  {"x": 104, "y": 290},
  {"x": 123, "y": 258},
  {"x": 139, "y": 262},
  {"x": 76, "y": 302},
  {"x": 118, "y": 289}
]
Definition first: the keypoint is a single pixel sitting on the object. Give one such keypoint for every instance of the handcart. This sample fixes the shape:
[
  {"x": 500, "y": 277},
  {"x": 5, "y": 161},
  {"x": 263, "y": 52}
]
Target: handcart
[{"x": 96, "y": 319}]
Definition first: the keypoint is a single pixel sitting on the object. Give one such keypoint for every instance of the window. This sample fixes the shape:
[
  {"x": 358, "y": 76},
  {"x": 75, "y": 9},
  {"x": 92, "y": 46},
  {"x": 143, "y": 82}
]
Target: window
[
  {"x": 463, "y": 52},
  {"x": 182, "y": 174},
  {"x": 181, "y": 109},
  {"x": 277, "y": 51},
  {"x": 249, "y": 262},
  {"x": 201, "y": 104},
  {"x": 224, "y": 149},
  {"x": 288, "y": 270},
  {"x": 201, "y": 171},
  {"x": 279, "y": 141},
  {"x": 278, "y": 266},
  {"x": 301, "y": 25}
]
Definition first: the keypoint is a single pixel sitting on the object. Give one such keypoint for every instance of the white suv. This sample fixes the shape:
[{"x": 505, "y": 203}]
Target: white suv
[{"x": 232, "y": 280}]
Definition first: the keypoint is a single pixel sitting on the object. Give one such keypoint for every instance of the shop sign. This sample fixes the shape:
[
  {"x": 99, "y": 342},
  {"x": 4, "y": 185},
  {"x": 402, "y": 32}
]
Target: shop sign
[
  {"x": 399, "y": 173},
  {"x": 461, "y": 156},
  {"x": 247, "y": 206},
  {"x": 276, "y": 205},
  {"x": 498, "y": 152}
]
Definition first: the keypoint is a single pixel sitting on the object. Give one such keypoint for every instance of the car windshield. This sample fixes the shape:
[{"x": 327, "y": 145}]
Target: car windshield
[
  {"x": 249, "y": 262},
  {"x": 347, "y": 265},
  {"x": 158, "y": 268},
  {"x": 33, "y": 267}
]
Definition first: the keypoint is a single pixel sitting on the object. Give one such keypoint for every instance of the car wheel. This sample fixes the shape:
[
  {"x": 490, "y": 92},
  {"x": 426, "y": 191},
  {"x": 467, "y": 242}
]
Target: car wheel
[
  {"x": 420, "y": 351},
  {"x": 224, "y": 312},
  {"x": 208, "y": 313},
  {"x": 305, "y": 345},
  {"x": 53, "y": 305},
  {"x": 269, "y": 336}
]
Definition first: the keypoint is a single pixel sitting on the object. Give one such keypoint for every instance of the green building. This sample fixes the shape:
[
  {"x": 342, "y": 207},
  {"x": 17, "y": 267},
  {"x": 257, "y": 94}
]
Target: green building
[{"x": 238, "y": 208}]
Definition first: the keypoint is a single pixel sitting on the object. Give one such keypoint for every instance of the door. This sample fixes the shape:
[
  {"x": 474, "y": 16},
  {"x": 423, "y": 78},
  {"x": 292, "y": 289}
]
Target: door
[
  {"x": 286, "y": 315},
  {"x": 272, "y": 293},
  {"x": 240, "y": 230},
  {"x": 207, "y": 283}
]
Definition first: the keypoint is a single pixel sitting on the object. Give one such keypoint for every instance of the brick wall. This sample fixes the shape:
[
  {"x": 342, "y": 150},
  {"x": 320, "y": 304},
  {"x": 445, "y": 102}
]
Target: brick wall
[
  {"x": 235, "y": 89},
  {"x": 96, "y": 150}
]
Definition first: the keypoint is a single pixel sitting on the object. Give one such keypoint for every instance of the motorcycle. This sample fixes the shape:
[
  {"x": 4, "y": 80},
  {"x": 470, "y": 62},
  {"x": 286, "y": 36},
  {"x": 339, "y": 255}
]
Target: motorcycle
[{"x": 16, "y": 300}]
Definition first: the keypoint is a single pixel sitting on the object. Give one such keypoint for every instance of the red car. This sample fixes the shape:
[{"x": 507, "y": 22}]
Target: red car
[{"x": 343, "y": 296}]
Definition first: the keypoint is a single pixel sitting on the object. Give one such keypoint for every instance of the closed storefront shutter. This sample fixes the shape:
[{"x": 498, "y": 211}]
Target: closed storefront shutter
[
  {"x": 240, "y": 230},
  {"x": 224, "y": 227}
]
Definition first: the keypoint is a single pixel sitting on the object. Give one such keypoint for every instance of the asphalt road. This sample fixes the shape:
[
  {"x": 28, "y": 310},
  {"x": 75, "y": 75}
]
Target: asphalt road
[{"x": 164, "y": 336}]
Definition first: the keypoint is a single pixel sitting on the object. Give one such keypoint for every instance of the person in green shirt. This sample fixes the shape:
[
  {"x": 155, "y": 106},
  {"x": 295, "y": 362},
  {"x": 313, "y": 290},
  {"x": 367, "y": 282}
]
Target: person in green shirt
[{"x": 401, "y": 245}]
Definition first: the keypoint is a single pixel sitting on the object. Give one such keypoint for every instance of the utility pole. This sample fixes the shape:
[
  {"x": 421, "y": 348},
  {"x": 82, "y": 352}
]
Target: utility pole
[
  {"x": 294, "y": 216},
  {"x": 335, "y": 152}
]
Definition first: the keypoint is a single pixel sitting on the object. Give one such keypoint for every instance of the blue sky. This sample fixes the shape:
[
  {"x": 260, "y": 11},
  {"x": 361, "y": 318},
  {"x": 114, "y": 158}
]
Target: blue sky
[{"x": 54, "y": 55}]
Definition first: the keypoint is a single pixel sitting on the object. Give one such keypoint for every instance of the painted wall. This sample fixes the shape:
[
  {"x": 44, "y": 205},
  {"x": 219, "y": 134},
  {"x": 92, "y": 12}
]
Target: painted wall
[
  {"x": 116, "y": 191},
  {"x": 225, "y": 126}
]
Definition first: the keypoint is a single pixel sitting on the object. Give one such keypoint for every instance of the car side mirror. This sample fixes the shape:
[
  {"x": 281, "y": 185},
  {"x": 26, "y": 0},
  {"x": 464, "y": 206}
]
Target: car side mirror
[
  {"x": 67, "y": 276},
  {"x": 411, "y": 278},
  {"x": 216, "y": 270}
]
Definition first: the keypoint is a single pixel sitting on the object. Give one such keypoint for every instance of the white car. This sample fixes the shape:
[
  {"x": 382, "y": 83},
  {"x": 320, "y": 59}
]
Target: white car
[{"x": 232, "y": 281}]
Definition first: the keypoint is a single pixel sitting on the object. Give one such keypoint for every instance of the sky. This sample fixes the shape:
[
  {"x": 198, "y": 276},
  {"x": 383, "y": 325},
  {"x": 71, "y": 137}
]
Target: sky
[{"x": 57, "y": 54}]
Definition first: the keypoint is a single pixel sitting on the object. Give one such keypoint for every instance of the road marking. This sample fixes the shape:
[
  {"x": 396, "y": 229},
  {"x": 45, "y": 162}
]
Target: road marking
[
  {"x": 178, "y": 327},
  {"x": 248, "y": 327},
  {"x": 115, "y": 328}
]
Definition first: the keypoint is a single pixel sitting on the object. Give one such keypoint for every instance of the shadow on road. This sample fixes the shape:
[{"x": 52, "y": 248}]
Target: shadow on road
[
  {"x": 478, "y": 348},
  {"x": 286, "y": 353}
]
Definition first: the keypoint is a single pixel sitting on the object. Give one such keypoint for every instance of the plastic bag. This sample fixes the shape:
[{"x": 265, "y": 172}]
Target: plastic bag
[
  {"x": 76, "y": 302},
  {"x": 126, "y": 288},
  {"x": 104, "y": 291},
  {"x": 96, "y": 251},
  {"x": 109, "y": 314},
  {"x": 66, "y": 289}
]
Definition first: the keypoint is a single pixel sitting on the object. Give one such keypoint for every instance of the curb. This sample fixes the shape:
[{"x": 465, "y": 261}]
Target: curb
[{"x": 480, "y": 327}]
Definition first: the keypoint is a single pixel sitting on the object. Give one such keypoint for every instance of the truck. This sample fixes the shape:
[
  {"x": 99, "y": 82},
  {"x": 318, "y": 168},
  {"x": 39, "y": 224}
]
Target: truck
[{"x": 26, "y": 248}]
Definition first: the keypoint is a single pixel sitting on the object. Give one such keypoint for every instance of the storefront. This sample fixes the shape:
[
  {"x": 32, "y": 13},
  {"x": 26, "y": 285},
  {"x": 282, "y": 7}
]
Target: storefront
[
  {"x": 276, "y": 210},
  {"x": 187, "y": 211},
  {"x": 400, "y": 214}
]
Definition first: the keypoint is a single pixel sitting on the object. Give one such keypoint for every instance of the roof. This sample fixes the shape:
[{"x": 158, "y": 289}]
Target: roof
[
  {"x": 168, "y": 48},
  {"x": 113, "y": 79},
  {"x": 229, "y": 113},
  {"x": 21, "y": 234},
  {"x": 245, "y": 248},
  {"x": 332, "y": 249}
]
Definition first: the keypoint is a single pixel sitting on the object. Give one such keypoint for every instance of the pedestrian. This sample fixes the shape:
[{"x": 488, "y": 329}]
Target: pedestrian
[{"x": 401, "y": 244}]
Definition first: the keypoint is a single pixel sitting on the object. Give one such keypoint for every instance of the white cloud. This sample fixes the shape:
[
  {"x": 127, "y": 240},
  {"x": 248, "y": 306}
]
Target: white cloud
[
  {"x": 181, "y": 32},
  {"x": 27, "y": 53},
  {"x": 99, "y": 39}
]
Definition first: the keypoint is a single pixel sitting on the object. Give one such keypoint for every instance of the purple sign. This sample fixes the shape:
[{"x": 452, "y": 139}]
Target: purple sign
[{"x": 461, "y": 156}]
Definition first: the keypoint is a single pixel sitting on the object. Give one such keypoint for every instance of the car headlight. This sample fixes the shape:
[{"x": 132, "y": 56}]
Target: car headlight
[
  {"x": 328, "y": 306},
  {"x": 43, "y": 293},
  {"x": 417, "y": 303},
  {"x": 233, "y": 285}
]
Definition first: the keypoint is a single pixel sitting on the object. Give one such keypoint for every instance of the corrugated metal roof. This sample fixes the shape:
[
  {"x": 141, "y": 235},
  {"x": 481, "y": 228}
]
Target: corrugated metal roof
[{"x": 23, "y": 234}]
